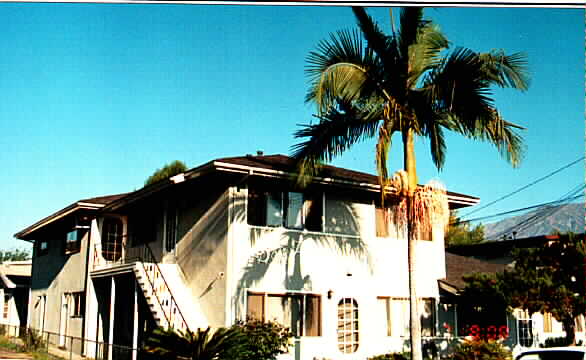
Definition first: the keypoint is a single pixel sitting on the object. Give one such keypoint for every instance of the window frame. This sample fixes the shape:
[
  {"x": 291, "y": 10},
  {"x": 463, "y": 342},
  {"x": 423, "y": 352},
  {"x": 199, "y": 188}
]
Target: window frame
[
  {"x": 43, "y": 251},
  {"x": 405, "y": 322},
  {"x": 352, "y": 331},
  {"x": 259, "y": 214},
  {"x": 73, "y": 246},
  {"x": 171, "y": 226},
  {"x": 77, "y": 301},
  {"x": 6, "y": 307},
  {"x": 384, "y": 229},
  {"x": 314, "y": 331},
  {"x": 114, "y": 254}
]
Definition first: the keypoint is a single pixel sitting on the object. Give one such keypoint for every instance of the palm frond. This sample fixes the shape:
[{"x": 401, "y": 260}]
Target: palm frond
[
  {"x": 340, "y": 67},
  {"x": 503, "y": 135},
  {"x": 437, "y": 144},
  {"x": 383, "y": 146},
  {"x": 506, "y": 70},
  {"x": 384, "y": 46},
  {"x": 336, "y": 131},
  {"x": 424, "y": 54},
  {"x": 376, "y": 39},
  {"x": 411, "y": 21},
  {"x": 458, "y": 86},
  {"x": 430, "y": 122}
]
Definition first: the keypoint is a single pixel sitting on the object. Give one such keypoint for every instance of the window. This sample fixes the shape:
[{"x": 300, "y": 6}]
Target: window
[
  {"x": 524, "y": 328},
  {"x": 73, "y": 242},
  {"x": 142, "y": 227},
  {"x": 396, "y": 312},
  {"x": 170, "y": 228},
  {"x": 6, "y": 310},
  {"x": 382, "y": 222},
  {"x": 293, "y": 210},
  {"x": 301, "y": 313},
  {"x": 385, "y": 227},
  {"x": 77, "y": 304},
  {"x": 112, "y": 239},
  {"x": 43, "y": 248},
  {"x": 348, "y": 326}
]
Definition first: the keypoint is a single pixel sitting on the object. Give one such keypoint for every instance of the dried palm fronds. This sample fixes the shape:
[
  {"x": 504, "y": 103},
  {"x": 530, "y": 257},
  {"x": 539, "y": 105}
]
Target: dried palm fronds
[{"x": 429, "y": 207}]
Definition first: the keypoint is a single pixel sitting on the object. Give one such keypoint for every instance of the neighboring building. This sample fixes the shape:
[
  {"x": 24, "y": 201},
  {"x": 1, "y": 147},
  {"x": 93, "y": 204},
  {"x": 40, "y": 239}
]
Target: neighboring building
[
  {"x": 495, "y": 256},
  {"x": 500, "y": 252},
  {"x": 230, "y": 239},
  {"x": 15, "y": 284}
]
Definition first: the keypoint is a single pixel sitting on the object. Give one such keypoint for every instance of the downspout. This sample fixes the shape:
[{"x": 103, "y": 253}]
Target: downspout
[{"x": 85, "y": 289}]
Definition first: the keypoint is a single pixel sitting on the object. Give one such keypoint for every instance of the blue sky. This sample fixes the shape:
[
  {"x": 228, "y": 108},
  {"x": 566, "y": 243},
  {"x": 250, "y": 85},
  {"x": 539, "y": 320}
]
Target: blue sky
[{"x": 96, "y": 97}]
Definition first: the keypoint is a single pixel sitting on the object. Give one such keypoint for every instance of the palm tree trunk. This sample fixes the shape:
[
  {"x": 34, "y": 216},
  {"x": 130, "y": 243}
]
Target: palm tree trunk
[{"x": 411, "y": 169}]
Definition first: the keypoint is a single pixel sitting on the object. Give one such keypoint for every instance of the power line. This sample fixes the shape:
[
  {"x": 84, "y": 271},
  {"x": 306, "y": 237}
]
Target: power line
[
  {"x": 539, "y": 215},
  {"x": 525, "y": 187},
  {"x": 509, "y": 212}
]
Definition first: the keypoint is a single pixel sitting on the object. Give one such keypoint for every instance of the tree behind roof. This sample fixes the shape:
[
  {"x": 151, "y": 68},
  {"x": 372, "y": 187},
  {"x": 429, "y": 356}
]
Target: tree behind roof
[
  {"x": 461, "y": 233},
  {"x": 14, "y": 255},
  {"x": 171, "y": 169}
]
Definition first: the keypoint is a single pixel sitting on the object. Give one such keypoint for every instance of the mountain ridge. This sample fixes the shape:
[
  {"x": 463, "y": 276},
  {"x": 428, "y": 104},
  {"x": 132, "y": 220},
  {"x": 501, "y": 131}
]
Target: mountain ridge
[{"x": 542, "y": 221}]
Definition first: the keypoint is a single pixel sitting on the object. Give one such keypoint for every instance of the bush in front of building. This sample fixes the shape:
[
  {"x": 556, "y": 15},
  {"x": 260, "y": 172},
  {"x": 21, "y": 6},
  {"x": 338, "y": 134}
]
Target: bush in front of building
[
  {"x": 32, "y": 340},
  {"x": 246, "y": 340},
  {"x": 477, "y": 349},
  {"x": 558, "y": 342},
  {"x": 205, "y": 344},
  {"x": 263, "y": 340}
]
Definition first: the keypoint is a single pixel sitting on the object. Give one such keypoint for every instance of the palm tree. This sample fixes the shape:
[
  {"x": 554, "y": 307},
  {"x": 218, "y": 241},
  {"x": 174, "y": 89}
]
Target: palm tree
[
  {"x": 404, "y": 83},
  {"x": 205, "y": 344}
]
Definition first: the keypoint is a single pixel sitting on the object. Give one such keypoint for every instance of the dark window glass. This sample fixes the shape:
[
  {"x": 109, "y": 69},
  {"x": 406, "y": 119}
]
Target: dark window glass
[
  {"x": 314, "y": 212},
  {"x": 112, "y": 239},
  {"x": 301, "y": 313},
  {"x": 293, "y": 210},
  {"x": 170, "y": 228},
  {"x": 72, "y": 241},
  {"x": 43, "y": 248}
]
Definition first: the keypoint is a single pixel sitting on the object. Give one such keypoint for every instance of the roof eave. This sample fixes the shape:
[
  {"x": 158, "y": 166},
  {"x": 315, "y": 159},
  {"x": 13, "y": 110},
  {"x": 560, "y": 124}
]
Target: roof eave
[
  {"x": 444, "y": 285},
  {"x": 80, "y": 205},
  {"x": 161, "y": 185},
  {"x": 455, "y": 199}
]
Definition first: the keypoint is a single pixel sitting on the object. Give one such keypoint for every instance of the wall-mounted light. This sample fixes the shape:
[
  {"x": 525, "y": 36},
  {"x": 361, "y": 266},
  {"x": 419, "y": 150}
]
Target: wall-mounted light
[{"x": 330, "y": 293}]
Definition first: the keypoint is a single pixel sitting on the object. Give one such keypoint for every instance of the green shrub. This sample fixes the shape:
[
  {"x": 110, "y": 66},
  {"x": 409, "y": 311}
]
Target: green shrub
[
  {"x": 481, "y": 350},
  {"x": 199, "y": 345},
  {"x": 556, "y": 341},
  {"x": 32, "y": 340},
  {"x": 264, "y": 340}
]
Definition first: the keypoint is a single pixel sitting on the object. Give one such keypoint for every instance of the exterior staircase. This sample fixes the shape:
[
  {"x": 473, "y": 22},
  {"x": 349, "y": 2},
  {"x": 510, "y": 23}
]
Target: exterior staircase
[{"x": 166, "y": 294}]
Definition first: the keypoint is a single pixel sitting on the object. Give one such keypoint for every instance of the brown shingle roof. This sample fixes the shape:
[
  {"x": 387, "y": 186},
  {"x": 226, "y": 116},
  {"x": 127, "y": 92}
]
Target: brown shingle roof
[
  {"x": 92, "y": 203},
  {"x": 287, "y": 164},
  {"x": 457, "y": 266},
  {"x": 103, "y": 200}
]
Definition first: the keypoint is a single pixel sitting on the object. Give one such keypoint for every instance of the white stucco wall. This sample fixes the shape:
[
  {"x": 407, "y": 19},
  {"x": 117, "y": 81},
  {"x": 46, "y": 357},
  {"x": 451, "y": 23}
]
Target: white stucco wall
[{"x": 379, "y": 268}]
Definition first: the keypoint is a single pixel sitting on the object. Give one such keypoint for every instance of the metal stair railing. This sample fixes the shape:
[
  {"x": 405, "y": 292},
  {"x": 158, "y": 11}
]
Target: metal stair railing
[
  {"x": 168, "y": 305},
  {"x": 144, "y": 256}
]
